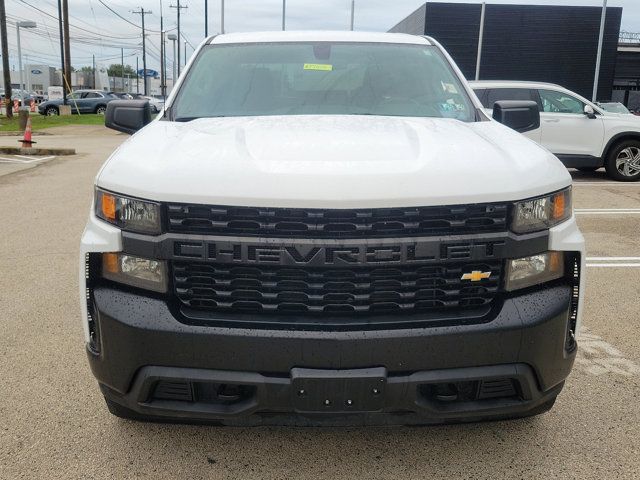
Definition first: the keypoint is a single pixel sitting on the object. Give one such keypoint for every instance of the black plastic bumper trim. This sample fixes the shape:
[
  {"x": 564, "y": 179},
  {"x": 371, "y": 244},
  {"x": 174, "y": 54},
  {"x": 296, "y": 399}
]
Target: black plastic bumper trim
[
  {"x": 139, "y": 331},
  {"x": 401, "y": 401}
]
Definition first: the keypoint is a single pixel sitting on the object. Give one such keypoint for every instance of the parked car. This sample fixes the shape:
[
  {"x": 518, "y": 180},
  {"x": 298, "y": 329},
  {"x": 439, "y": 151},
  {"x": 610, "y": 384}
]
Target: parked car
[
  {"x": 122, "y": 95},
  {"x": 80, "y": 101},
  {"x": 157, "y": 104},
  {"x": 326, "y": 228},
  {"x": 18, "y": 94},
  {"x": 614, "y": 107},
  {"x": 580, "y": 133}
]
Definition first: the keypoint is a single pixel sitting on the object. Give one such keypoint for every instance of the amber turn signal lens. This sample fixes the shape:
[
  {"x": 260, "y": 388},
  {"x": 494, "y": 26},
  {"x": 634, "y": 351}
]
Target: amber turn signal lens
[
  {"x": 108, "y": 206},
  {"x": 556, "y": 260},
  {"x": 110, "y": 262},
  {"x": 559, "y": 206}
]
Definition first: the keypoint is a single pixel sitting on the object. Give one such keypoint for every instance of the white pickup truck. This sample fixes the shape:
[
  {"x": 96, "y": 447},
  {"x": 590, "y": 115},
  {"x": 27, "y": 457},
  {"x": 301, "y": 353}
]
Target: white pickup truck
[
  {"x": 580, "y": 133},
  {"x": 327, "y": 229}
]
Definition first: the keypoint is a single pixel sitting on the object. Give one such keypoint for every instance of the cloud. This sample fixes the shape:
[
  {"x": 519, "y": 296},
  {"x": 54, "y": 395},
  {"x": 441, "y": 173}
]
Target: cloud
[{"x": 104, "y": 33}]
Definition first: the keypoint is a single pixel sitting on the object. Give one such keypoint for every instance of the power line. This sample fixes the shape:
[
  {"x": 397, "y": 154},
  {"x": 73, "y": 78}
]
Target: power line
[
  {"x": 70, "y": 24},
  {"x": 122, "y": 18}
]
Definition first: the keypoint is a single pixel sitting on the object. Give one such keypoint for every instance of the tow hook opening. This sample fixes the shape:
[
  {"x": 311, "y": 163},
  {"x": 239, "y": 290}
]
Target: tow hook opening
[
  {"x": 202, "y": 392},
  {"x": 448, "y": 393}
]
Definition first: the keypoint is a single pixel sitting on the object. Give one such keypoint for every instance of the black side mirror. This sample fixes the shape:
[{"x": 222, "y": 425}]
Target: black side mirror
[
  {"x": 127, "y": 116},
  {"x": 522, "y": 116}
]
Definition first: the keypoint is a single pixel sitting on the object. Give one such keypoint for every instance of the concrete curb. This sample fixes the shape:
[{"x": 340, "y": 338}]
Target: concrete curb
[
  {"x": 19, "y": 133},
  {"x": 36, "y": 151}
]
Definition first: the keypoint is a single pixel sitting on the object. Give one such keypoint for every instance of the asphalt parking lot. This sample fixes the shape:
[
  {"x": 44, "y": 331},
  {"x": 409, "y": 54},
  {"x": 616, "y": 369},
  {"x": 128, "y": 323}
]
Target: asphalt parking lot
[{"x": 55, "y": 424}]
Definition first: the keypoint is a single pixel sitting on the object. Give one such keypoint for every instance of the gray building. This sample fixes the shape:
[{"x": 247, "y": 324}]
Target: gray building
[{"x": 546, "y": 43}]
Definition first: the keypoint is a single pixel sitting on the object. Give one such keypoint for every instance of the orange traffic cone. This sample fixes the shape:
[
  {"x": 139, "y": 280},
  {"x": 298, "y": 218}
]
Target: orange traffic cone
[{"x": 26, "y": 141}]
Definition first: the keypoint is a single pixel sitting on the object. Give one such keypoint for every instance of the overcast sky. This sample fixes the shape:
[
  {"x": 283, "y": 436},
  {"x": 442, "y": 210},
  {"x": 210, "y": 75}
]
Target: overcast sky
[{"x": 97, "y": 31}]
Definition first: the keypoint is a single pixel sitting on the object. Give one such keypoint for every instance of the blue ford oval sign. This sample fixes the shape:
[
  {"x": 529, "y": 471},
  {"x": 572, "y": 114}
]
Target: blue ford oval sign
[
  {"x": 35, "y": 71},
  {"x": 149, "y": 73}
]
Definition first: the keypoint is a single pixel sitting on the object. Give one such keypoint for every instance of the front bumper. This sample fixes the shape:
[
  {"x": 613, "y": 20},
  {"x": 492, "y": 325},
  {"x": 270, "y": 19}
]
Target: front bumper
[{"x": 142, "y": 344}]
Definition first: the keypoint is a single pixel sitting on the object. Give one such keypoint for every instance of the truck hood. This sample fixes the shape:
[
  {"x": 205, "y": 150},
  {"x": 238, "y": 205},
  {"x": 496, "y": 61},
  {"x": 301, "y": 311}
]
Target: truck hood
[{"x": 331, "y": 162}]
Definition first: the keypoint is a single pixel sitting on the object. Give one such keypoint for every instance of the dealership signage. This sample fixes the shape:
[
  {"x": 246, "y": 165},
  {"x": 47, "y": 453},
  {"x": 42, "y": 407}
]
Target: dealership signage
[
  {"x": 55, "y": 93},
  {"x": 148, "y": 73}
]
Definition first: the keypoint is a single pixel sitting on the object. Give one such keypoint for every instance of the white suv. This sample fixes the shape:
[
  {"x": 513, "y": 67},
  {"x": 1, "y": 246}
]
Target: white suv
[{"x": 581, "y": 134}]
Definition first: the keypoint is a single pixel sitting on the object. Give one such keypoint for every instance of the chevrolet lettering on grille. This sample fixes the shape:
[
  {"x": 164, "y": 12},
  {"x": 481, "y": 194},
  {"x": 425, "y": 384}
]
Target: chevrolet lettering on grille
[{"x": 336, "y": 254}]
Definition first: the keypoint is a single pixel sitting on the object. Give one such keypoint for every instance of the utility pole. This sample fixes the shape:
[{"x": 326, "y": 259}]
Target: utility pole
[
  {"x": 64, "y": 90},
  {"x": 206, "y": 18},
  {"x": 178, "y": 7},
  {"x": 284, "y": 14},
  {"x": 122, "y": 67},
  {"x": 221, "y": 16},
  {"x": 93, "y": 69},
  {"x": 185, "y": 52},
  {"x": 142, "y": 13},
  {"x": 599, "y": 54},
  {"x": 5, "y": 59},
  {"x": 163, "y": 77},
  {"x": 137, "y": 76},
  {"x": 67, "y": 45}
]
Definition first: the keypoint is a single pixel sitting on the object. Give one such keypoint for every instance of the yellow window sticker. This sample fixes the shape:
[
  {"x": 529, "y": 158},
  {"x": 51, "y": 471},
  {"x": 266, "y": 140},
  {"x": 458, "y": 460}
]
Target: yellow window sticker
[{"x": 318, "y": 66}]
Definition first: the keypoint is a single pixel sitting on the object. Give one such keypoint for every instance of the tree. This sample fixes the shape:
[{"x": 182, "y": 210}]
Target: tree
[
  {"x": 86, "y": 69},
  {"x": 115, "y": 70}
]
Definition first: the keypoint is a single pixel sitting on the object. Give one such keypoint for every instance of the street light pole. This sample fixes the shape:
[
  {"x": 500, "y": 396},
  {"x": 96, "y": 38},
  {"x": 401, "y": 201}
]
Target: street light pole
[
  {"x": 173, "y": 37},
  {"x": 23, "y": 24},
  {"x": 353, "y": 13},
  {"x": 599, "y": 55},
  {"x": 221, "y": 16}
]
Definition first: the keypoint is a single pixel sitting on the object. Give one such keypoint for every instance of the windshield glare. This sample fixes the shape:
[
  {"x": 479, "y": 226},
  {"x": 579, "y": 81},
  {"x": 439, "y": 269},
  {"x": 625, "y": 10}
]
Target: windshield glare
[
  {"x": 322, "y": 78},
  {"x": 614, "y": 107}
]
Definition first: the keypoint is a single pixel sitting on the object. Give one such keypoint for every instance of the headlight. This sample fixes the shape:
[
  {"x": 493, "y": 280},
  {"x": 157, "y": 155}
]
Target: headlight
[
  {"x": 528, "y": 271},
  {"x": 135, "y": 271},
  {"x": 542, "y": 213},
  {"x": 128, "y": 213}
]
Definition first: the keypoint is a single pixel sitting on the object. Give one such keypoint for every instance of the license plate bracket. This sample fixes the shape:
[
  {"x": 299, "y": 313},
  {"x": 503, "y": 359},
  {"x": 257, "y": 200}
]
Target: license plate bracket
[{"x": 344, "y": 391}]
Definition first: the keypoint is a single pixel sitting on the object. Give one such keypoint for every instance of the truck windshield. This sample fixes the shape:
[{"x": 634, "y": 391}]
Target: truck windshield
[{"x": 322, "y": 79}]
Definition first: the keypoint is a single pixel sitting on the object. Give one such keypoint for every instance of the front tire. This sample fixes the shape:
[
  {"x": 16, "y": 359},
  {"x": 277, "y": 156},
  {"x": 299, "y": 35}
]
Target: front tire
[
  {"x": 101, "y": 110},
  {"x": 51, "y": 112},
  {"x": 623, "y": 162}
]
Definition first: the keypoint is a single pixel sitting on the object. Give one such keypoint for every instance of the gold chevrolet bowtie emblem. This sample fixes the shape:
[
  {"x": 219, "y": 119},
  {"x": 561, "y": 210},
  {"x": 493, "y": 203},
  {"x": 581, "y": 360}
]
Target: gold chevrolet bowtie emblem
[{"x": 476, "y": 276}]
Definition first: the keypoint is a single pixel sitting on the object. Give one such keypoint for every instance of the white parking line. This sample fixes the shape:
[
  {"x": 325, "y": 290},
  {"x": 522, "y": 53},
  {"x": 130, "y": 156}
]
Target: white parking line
[
  {"x": 613, "y": 262},
  {"x": 597, "y": 357},
  {"x": 34, "y": 158},
  {"x": 617, "y": 184},
  {"x": 612, "y": 259},
  {"x": 607, "y": 211},
  {"x": 20, "y": 159},
  {"x": 614, "y": 265}
]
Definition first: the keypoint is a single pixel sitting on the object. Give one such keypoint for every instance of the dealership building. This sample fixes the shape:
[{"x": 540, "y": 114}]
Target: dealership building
[{"x": 556, "y": 44}]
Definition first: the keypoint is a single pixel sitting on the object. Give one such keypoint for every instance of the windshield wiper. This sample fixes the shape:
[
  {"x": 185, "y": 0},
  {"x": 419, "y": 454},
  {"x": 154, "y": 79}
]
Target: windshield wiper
[{"x": 188, "y": 119}]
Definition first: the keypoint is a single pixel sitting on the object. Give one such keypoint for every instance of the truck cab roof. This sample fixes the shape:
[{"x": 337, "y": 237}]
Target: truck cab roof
[{"x": 317, "y": 36}]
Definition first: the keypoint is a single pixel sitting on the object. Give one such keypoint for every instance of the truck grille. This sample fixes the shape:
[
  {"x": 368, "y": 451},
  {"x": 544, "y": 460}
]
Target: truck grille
[
  {"x": 334, "y": 223},
  {"x": 353, "y": 291}
]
